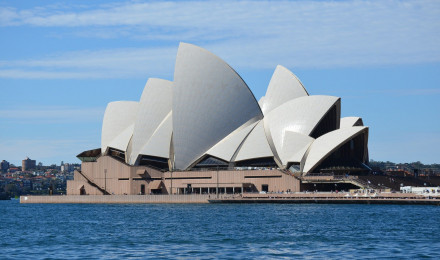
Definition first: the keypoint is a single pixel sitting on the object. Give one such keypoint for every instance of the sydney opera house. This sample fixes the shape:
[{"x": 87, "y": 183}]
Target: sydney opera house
[{"x": 205, "y": 132}]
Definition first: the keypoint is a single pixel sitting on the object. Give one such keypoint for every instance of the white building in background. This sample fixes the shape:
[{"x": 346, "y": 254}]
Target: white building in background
[{"x": 427, "y": 191}]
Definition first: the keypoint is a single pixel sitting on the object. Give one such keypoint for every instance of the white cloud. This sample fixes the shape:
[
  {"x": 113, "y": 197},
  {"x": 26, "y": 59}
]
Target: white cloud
[
  {"x": 115, "y": 63},
  {"x": 250, "y": 34},
  {"x": 53, "y": 114}
]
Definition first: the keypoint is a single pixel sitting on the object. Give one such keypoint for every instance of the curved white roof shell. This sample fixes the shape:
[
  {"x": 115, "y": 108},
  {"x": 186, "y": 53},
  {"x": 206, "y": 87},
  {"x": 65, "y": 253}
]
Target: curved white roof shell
[
  {"x": 227, "y": 147},
  {"x": 119, "y": 116},
  {"x": 208, "y": 112},
  {"x": 283, "y": 87},
  {"x": 121, "y": 141},
  {"x": 261, "y": 102},
  {"x": 255, "y": 145},
  {"x": 351, "y": 121},
  {"x": 322, "y": 147},
  {"x": 300, "y": 115},
  {"x": 210, "y": 100},
  {"x": 159, "y": 142},
  {"x": 154, "y": 106},
  {"x": 294, "y": 147}
]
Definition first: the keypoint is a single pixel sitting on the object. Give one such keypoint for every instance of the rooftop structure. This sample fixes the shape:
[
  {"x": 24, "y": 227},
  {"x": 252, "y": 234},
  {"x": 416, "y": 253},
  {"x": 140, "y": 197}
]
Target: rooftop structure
[
  {"x": 28, "y": 164},
  {"x": 209, "y": 116}
]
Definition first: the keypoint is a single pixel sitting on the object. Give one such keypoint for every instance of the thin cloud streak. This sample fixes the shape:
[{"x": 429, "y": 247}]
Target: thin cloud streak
[
  {"x": 115, "y": 63},
  {"x": 248, "y": 34},
  {"x": 53, "y": 114}
]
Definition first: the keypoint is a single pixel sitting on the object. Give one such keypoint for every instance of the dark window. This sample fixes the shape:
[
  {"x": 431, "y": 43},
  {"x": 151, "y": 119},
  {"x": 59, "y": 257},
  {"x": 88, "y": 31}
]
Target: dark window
[{"x": 259, "y": 162}]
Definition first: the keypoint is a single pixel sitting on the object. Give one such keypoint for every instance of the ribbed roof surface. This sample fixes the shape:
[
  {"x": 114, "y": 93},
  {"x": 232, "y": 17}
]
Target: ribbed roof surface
[
  {"x": 155, "y": 105},
  {"x": 118, "y": 117},
  {"x": 255, "y": 145},
  {"x": 300, "y": 115},
  {"x": 294, "y": 146},
  {"x": 322, "y": 147},
  {"x": 159, "y": 142},
  {"x": 208, "y": 116},
  {"x": 210, "y": 100},
  {"x": 227, "y": 147},
  {"x": 283, "y": 87}
]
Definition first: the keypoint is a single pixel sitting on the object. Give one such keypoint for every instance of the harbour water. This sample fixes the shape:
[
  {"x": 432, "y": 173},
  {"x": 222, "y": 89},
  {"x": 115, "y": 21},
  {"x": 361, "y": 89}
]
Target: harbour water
[{"x": 205, "y": 231}]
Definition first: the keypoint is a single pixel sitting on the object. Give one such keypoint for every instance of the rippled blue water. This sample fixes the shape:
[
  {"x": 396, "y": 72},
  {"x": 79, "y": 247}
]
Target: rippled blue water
[{"x": 79, "y": 231}]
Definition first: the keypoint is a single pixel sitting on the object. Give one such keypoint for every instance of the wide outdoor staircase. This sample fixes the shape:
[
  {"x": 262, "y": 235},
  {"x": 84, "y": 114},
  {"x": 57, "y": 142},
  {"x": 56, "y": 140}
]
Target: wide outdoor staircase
[
  {"x": 366, "y": 184},
  {"x": 355, "y": 180},
  {"x": 89, "y": 181}
]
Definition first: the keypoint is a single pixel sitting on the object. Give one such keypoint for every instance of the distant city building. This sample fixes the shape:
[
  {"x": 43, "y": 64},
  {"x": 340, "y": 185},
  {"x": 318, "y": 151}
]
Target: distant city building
[
  {"x": 66, "y": 167},
  {"x": 4, "y": 166},
  {"x": 69, "y": 167},
  {"x": 28, "y": 164}
]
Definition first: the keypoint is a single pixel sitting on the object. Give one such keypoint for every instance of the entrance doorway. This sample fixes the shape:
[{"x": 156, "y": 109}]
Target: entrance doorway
[
  {"x": 265, "y": 187},
  {"x": 142, "y": 189}
]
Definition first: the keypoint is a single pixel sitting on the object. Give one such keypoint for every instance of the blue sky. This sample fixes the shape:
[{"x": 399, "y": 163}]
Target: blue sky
[{"x": 62, "y": 62}]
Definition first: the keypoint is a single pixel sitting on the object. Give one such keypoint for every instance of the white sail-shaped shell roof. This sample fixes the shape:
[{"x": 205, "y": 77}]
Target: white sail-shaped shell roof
[
  {"x": 300, "y": 115},
  {"x": 323, "y": 146},
  {"x": 208, "y": 116},
  {"x": 283, "y": 87},
  {"x": 121, "y": 141},
  {"x": 154, "y": 106},
  {"x": 118, "y": 117},
  {"x": 210, "y": 100},
  {"x": 227, "y": 147},
  {"x": 351, "y": 121},
  {"x": 159, "y": 142},
  {"x": 294, "y": 147},
  {"x": 255, "y": 145}
]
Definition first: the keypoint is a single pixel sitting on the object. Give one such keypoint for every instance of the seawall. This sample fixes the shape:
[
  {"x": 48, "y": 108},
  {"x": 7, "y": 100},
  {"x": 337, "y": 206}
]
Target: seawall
[
  {"x": 322, "y": 198},
  {"x": 331, "y": 201},
  {"x": 116, "y": 199}
]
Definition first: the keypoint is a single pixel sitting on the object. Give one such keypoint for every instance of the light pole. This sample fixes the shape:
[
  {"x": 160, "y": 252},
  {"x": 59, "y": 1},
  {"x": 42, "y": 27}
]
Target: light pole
[{"x": 105, "y": 181}]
